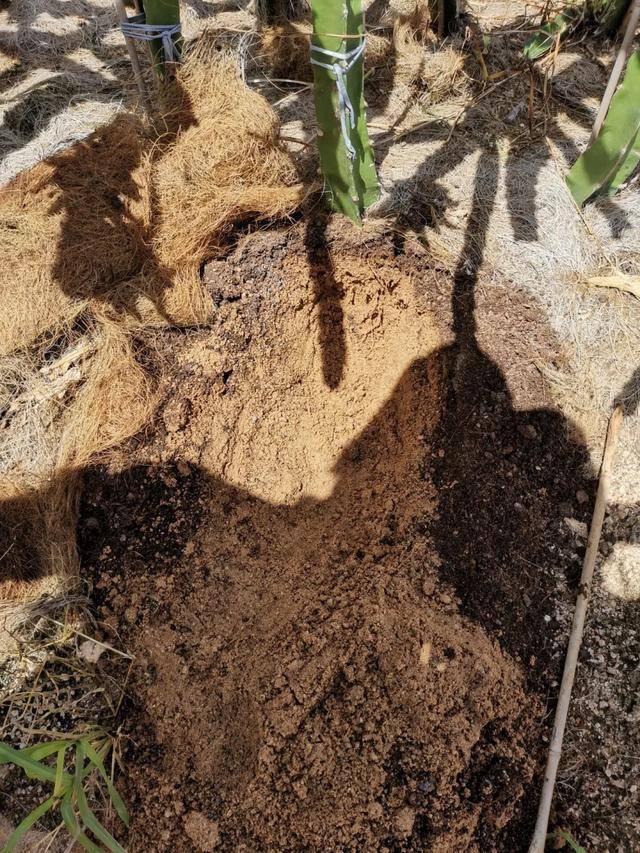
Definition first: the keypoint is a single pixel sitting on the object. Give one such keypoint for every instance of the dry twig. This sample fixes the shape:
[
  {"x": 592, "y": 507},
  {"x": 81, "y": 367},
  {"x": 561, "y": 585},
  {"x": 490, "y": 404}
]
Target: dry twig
[{"x": 575, "y": 638}]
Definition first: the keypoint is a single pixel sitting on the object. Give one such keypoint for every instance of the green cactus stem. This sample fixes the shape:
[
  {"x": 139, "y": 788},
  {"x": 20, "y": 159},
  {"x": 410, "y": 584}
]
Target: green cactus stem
[
  {"x": 162, "y": 12},
  {"x": 615, "y": 154},
  {"x": 338, "y": 26}
]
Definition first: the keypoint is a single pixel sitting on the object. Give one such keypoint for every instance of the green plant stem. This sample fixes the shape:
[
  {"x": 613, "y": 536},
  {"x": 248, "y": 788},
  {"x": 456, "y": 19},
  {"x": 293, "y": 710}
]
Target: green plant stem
[
  {"x": 68, "y": 791},
  {"x": 614, "y": 155},
  {"x": 162, "y": 12},
  {"x": 352, "y": 184}
]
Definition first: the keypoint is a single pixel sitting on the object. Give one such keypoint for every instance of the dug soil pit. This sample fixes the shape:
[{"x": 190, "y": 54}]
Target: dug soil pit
[{"x": 331, "y": 555}]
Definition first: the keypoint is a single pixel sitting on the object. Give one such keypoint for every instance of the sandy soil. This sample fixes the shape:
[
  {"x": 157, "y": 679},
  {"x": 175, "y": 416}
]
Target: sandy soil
[{"x": 321, "y": 658}]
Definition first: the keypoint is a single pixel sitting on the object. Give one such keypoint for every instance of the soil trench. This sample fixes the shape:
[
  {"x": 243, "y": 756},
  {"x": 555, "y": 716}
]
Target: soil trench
[{"x": 331, "y": 557}]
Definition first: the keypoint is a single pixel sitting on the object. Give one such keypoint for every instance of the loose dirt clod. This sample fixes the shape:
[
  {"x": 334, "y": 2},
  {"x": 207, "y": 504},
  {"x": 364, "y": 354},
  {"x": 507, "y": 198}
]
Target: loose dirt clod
[{"x": 202, "y": 831}]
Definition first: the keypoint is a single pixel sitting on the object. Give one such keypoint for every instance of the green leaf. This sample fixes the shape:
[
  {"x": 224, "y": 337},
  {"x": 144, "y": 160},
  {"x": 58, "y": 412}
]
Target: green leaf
[
  {"x": 573, "y": 844},
  {"x": 73, "y": 827},
  {"x": 33, "y": 769},
  {"x": 611, "y": 159},
  {"x": 44, "y": 750},
  {"x": 33, "y": 817},
  {"x": 114, "y": 796},
  {"x": 58, "y": 787},
  {"x": 90, "y": 821},
  {"x": 544, "y": 40},
  {"x": 65, "y": 787}
]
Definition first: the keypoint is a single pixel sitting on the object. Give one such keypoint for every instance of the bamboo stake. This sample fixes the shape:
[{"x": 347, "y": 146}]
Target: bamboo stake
[
  {"x": 618, "y": 68},
  {"x": 575, "y": 638},
  {"x": 133, "y": 56}
]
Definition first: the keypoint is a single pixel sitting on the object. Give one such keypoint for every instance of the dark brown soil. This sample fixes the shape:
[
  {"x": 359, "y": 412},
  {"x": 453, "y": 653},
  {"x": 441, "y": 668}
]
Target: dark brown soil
[{"x": 333, "y": 555}]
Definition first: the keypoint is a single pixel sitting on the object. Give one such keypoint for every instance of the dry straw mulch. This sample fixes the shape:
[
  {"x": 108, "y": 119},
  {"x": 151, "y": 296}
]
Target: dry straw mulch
[{"x": 96, "y": 244}]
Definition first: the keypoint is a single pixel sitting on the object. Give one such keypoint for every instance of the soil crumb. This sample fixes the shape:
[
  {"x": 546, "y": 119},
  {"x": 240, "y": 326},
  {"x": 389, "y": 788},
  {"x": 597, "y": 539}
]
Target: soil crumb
[{"x": 308, "y": 673}]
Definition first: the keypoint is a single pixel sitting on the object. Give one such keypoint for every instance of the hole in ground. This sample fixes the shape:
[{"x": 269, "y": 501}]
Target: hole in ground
[{"x": 336, "y": 591}]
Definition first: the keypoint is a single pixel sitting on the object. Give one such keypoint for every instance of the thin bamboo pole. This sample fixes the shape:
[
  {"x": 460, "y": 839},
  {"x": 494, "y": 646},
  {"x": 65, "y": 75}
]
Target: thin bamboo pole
[
  {"x": 575, "y": 638},
  {"x": 618, "y": 68},
  {"x": 133, "y": 56}
]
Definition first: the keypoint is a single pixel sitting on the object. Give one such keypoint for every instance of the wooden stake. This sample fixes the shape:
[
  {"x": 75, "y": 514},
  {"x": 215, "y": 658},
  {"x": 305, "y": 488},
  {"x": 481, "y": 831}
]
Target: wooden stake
[
  {"x": 618, "y": 68},
  {"x": 575, "y": 638},
  {"x": 133, "y": 56}
]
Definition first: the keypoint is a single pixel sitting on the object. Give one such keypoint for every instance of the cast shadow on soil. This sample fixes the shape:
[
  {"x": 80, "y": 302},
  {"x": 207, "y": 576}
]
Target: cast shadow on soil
[
  {"x": 506, "y": 478},
  {"x": 484, "y": 127},
  {"x": 422, "y": 200},
  {"x": 503, "y": 477},
  {"x": 327, "y": 295}
]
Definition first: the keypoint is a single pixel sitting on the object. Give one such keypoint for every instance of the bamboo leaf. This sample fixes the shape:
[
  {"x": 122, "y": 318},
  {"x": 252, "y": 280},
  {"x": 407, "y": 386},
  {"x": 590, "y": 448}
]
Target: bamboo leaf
[
  {"x": 114, "y": 796},
  {"x": 73, "y": 827},
  {"x": 58, "y": 787},
  {"x": 33, "y": 817},
  {"x": 33, "y": 769},
  {"x": 614, "y": 155},
  {"x": 90, "y": 821},
  {"x": 44, "y": 750},
  {"x": 544, "y": 40},
  {"x": 66, "y": 787}
]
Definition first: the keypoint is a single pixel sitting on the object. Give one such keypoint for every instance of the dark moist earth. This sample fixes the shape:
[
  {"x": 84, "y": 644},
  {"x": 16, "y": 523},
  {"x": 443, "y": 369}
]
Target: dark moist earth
[{"x": 334, "y": 555}]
